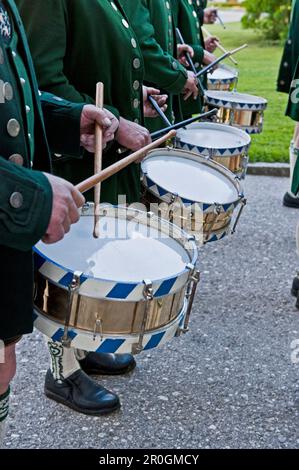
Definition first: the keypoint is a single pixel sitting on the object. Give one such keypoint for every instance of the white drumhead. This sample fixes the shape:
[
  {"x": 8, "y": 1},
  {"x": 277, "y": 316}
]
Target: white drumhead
[
  {"x": 123, "y": 252},
  {"x": 213, "y": 136},
  {"x": 223, "y": 73},
  {"x": 234, "y": 97},
  {"x": 191, "y": 179}
]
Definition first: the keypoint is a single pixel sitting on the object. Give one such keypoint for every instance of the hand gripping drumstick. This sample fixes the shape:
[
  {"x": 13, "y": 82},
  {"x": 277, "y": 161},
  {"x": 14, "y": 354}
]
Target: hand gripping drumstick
[
  {"x": 219, "y": 45},
  {"x": 91, "y": 182},
  {"x": 157, "y": 108},
  {"x": 220, "y": 59},
  {"x": 190, "y": 61},
  {"x": 98, "y": 158}
]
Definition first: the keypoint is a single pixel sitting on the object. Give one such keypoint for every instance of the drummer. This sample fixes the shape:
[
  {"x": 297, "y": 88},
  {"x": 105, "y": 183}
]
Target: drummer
[
  {"x": 109, "y": 53},
  {"x": 33, "y": 204},
  {"x": 153, "y": 23},
  {"x": 190, "y": 28},
  {"x": 287, "y": 73},
  {"x": 206, "y": 15}
]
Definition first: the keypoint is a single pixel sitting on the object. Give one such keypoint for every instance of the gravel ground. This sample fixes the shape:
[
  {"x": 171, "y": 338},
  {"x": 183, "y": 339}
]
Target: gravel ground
[{"x": 229, "y": 383}]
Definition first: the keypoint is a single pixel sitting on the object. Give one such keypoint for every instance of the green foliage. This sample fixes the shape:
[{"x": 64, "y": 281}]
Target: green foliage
[{"x": 270, "y": 17}]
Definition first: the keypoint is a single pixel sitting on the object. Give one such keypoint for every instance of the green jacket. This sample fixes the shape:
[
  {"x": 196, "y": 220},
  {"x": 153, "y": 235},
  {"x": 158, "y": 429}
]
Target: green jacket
[
  {"x": 189, "y": 25},
  {"x": 290, "y": 53},
  {"x": 75, "y": 44},
  {"x": 153, "y": 23},
  {"x": 25, "y": 195}
]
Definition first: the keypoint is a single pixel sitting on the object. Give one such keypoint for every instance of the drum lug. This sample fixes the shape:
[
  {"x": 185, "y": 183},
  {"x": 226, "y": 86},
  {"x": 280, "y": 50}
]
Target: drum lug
[
  {"x": 98, "y": 325},
  {"x": 72, "y": 289},
  {"x": 190, "y": 295},
  {"x": 243, "y": 204},
  {"x": 148, "y": 295}
]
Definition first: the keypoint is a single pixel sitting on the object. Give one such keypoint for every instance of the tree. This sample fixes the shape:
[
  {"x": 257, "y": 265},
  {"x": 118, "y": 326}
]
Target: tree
[{"x": 271, "y": 17}]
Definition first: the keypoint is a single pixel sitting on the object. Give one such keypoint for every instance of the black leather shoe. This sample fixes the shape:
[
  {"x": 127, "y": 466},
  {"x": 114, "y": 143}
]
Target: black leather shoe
[
  {"x": 291, "y": 201},
  {"x": 107, "y": 364},
  {"x": 295, "y": 286},
  {"x": 81, "y": 393}
]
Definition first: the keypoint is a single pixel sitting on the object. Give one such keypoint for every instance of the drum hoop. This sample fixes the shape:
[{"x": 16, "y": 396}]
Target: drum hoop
[
  {"x": 233, "y": 130},
  {"x": 225, "y": 102},
  {"x": 118, "y": 289},
  {"x": 192, "y": 156}
]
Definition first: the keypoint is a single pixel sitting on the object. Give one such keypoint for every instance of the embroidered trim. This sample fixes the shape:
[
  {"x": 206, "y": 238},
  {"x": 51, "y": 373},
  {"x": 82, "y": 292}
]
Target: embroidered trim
[{"x": 5, "y": 24}]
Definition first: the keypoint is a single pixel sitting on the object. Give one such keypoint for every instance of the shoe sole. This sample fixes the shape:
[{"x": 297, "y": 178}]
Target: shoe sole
[
  {"x": 291, "y": 205},
  {"x": 105, "y": 372},
  {"x": 58, "y": 399}
]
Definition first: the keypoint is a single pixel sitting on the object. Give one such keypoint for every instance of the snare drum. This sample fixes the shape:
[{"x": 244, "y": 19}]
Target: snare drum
[
  {"x": 223, "y": 144},
  {"x": 195, "y": 193},
  {"x": 224, "y": 78},
  {"x": 127, "y": 291},
  {"x": 238, "y": 110}
]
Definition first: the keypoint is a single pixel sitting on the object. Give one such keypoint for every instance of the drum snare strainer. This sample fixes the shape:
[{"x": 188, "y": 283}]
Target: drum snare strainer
[
  {"x": 238, "y": 109},
  {"x": 226, "y": 145},
  {"x": 199, "y": 194},
  {"x": 130, "y": 290}
]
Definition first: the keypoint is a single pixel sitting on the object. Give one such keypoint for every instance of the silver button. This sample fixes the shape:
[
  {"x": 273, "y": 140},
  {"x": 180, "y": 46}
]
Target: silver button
[
  {"x": 29, "y": 136},
  {"x": 136, "y": 120},
  {"x": 1, "y": 56},
  {"x": 57, "y": 155},
  {"x": 17, "y": 159},
  {"x": 14, "y": 54},
  {"x": 23, "y": 81},
  {"x": 285, "y": 64},
  {"x": 125, "y": 23},
  {"x": 134, "y": 43},
  {"x": 28, "y": 109},
  {"x": 289, "y": 41},
  {"x": 8, "y": 91},
  {"x": 194, "y": 14},
  {"x": 170, "y": 19},
  {"x": 168, "y": 5},
  {"x": 136, "y": 85},
  {"x": 197, "y": 24},
  {"x": 174, "y": 65},
  {"x": 114, "y": 6},
  {"x": 196, "y": 65},
  {"x": 13, "y": 127},
  {"x": 136, "y": 63},
  {"x": 136, "y": 103},
  {"x": 16, "y": 200}
]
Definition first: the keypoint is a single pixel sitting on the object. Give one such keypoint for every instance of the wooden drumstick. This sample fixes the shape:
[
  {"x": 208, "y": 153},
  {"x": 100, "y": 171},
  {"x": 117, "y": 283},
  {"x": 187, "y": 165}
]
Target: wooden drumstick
[
  {"x": 98, "y": 157},
  {"x": 219, "y": 45},
  {"x": 91, "y": 182}
]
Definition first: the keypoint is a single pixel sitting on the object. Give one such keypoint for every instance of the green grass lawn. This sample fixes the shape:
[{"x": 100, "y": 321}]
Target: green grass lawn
[{"x": 258, "y": 66}]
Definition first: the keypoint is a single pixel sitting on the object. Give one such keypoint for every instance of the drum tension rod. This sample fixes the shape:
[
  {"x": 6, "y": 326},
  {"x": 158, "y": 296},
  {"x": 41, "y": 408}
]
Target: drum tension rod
[
  {"x": 243, "y": 204},
  {"x": 148, "y": 295},
  {"x": 190, "y": 295},
  {"x": 72, "y": 289}
]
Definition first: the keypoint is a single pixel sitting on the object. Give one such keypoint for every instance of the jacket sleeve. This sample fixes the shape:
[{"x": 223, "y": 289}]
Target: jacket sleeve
[
  {"x": 22, "y": 225},
  {"x": 161, "y": 68},
  {"x": 46, "y": 26}
]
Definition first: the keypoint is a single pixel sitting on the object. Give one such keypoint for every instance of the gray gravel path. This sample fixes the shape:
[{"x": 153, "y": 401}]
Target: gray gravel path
[{"x": 229, "y": 383}]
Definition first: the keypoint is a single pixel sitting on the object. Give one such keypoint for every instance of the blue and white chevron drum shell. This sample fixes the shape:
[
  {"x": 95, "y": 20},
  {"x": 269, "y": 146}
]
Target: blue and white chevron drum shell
[
  {"x": 213, "y": 140},
  {"x": 120, "y": 344},
  {"x": 166, "y": 161},
  {"x": 234, "y": 100}
]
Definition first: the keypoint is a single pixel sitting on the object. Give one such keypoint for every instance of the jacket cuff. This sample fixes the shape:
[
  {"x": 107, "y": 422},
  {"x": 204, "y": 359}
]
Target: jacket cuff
[
  {"x": 25, "y": 206},
  {"x": 198, "y": 55},
  {"x": 177, "y": 86}
]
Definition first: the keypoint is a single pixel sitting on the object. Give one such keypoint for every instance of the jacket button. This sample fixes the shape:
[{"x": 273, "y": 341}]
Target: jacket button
[
  {"x": 17, "y": 159},
  {"x": 8, "y": 91},
  {"x": 174, "y": 65},
  {"x": 125, "y": 23},
  {"x": 16, "y": 200},
  {"x": 136, "y": 63},
  {"x": 134, "y": 43},
  {"x": 136, "y": 85},
  {"x": 136, "y": 103},
  {"x": 23, "y": 81},
  {"x": 13, "y": 127},
  {"x": 1, "y": 56}
]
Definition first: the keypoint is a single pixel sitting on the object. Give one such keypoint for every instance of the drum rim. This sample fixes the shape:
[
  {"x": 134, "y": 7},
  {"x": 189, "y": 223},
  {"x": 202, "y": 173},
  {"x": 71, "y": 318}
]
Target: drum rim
[
  {"x": 232, "y": 79},
  {"x": 192, "y": 252},
  {"x": 231, "y": 129},
  {"x": 237, "y": 105},
  {"x": 195, "y": 157}
]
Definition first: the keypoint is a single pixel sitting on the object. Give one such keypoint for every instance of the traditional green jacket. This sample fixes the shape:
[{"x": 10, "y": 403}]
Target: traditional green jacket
[
  {"x": 25, "y": 194},
  {"x": 75, "y": 44},
  {"x": 290, "y": 53},
  {"x": 189, "y": 25},
  {"x": 200, "y": 6},
  {"x": 153, "y": 23}
]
